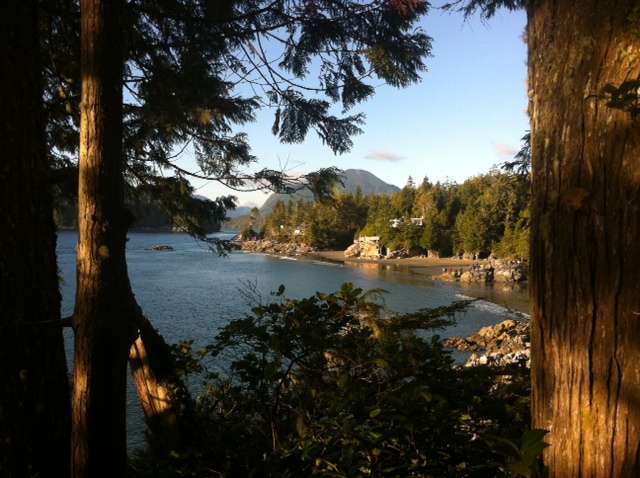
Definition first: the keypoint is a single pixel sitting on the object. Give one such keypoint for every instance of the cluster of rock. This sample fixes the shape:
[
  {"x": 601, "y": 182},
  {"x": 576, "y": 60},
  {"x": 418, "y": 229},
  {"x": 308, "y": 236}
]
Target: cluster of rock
[
  {"x": 366, "y": 250},
  {"x": 501, "y": 344},
  {"x": 398, "y": 254},
  {"x": 160, "y": 247},
  {"x": 509, "y": 271},
  {"x": 496, "y": 270},
  {"x": 354, "y": 250},
  {"x": 267, "y": 246}
]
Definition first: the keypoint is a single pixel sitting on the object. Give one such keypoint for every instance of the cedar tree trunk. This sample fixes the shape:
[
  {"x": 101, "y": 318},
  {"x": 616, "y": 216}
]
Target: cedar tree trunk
[
  {"x": 105, "y": 307},
  {"x": 34, "y": 394},
  {"x": 586, "y": 236}
]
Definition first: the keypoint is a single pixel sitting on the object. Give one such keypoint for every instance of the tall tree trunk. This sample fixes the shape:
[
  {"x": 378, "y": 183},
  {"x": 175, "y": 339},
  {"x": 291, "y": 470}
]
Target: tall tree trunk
[
  {"x": 34, "y": 395},
  {"x": 107, "y": 318},
  {"x": 586, "y": 236},
  {"x": 105, "y": 307}
]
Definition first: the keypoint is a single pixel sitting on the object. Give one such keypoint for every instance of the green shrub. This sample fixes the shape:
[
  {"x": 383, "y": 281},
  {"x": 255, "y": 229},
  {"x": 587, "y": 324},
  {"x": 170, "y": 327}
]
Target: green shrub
[{"x": 330, "y": 386}]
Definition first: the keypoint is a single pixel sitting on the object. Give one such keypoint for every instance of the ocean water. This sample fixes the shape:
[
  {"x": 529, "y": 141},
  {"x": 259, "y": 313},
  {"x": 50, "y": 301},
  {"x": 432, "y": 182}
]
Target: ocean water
[{"x": 190, "y": 292}]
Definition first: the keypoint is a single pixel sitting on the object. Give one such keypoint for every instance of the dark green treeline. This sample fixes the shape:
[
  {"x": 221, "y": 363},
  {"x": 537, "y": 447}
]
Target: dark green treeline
[{"x": 483, "y": 215}]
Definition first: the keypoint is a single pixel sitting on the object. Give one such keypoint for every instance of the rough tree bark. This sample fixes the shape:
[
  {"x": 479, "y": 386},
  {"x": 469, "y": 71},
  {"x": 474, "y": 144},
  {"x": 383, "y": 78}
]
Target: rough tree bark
[
  {"x": 586, "y": 227},
  {"x": 105, "y": 306},
  {"x": 109, "y": 326},
  {"x": 154, "y": 374},
  {"x": 34, "y": 396}
]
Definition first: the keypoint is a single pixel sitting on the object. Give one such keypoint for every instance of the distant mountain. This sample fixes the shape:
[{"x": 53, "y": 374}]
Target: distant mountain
[
  {"x": 367, "y": 182},
  {"x": 352, "y": 178},
  {"x": 239, "y": 211}
]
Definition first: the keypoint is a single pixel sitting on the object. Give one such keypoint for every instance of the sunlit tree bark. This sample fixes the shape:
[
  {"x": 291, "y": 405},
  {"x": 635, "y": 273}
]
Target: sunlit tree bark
[
  {"x": 586, "y": 228},
  {"x": 107, "y": 318},
  {"x": 158, "y": 386},
  {"x": 105, "y": 306},
  {"x": 34, "y": 396}
]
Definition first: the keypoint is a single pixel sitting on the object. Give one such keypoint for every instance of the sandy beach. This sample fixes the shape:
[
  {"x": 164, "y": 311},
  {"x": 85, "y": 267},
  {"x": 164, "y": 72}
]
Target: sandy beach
[{"x": 424, "y": 265}]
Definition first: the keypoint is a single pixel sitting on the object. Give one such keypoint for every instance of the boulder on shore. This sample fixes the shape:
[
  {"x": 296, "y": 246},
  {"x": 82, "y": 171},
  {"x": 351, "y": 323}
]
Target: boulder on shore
[
  {"x": 354, "y": 250},
  {"x": 500, "y": 344}
]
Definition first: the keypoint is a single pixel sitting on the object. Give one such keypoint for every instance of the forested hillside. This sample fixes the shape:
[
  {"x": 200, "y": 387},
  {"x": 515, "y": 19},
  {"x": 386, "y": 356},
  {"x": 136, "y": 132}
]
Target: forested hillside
[
  {"x": 483, "y": 215},
  {"x": 147, "y": 214}
]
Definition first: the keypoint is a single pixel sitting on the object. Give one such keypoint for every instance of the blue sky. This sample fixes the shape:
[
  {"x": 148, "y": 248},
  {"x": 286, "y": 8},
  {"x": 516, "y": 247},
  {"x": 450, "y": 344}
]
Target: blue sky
[{"x": 467, "y": 114}]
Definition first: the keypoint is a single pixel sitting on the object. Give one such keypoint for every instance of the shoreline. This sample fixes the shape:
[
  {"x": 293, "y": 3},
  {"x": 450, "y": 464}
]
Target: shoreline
[
  {"x": 510, "y": 296},
  {"x": 427, "y": 263},
  {"x": 430, "y": 267}
]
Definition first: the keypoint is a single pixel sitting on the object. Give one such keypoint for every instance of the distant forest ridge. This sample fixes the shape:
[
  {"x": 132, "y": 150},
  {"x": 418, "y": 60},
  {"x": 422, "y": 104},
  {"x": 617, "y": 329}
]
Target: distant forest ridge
[{"x": 148, "y": 214}]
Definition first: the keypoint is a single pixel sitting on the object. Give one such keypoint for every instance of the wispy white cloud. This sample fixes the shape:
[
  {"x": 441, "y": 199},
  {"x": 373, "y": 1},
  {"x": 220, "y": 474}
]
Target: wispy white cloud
[
  {"x": 504, "y": 151},
  {"x": 384, "y": 156}
]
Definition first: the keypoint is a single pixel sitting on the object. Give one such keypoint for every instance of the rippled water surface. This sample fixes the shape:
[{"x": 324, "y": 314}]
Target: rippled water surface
[{"x": 190, "y": 292}]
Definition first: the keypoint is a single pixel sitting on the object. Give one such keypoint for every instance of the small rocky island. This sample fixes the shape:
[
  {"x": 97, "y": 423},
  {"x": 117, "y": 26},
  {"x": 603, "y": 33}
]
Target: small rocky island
[{"x": 160, "y": 248}]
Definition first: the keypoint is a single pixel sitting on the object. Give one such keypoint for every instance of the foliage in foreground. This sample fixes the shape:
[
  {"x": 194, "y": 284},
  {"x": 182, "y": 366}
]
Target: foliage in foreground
[{"x": 329, "y": 386}]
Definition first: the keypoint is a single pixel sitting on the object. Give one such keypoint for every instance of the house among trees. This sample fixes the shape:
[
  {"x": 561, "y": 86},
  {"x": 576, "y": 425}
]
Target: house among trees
[{"x": 414, "y": 221}]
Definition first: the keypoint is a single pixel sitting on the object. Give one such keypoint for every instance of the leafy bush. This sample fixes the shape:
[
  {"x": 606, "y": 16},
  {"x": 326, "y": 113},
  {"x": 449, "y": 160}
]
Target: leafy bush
[{"x": 330, "y": 386}]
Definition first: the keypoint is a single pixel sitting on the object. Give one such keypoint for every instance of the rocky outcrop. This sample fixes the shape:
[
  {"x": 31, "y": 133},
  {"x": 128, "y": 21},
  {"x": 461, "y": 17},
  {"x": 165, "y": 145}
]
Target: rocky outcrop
[
  {"x": 160, "y": 247},
  {"x": 398, "y": 254},
  {"x": 495, "y": 270},
  {"x": 478, "y": 273},
  {"x": 354, "y": 250},
  {"x": 371, "y": 250},
  {"x": 267, "y": 246},
  {"x": 501, "y": 344},
  {"x": 509, "y": 271}
]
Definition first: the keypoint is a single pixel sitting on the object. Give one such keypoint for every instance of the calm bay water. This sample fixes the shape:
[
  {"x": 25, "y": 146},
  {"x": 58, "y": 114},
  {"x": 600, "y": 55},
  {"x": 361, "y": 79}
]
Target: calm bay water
[{"x": 190, "y": 292}]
